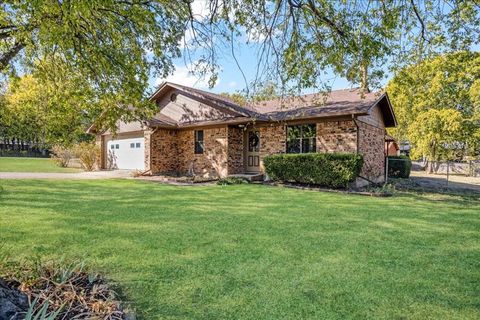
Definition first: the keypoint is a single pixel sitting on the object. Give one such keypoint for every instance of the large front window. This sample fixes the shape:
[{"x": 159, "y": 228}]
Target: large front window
[{"x": 301, "y": 138}]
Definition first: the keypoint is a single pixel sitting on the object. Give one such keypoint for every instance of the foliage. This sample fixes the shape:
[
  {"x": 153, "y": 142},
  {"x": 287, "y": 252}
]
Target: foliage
[
  {"x": 59, "y": 290},
  {"x": 437, "y": 104},
  {"x": 399, "y": 166},
  {"x": 232, "y": 180},
  {"x": 112, "y": 45},
  {"x": 299, "y": 41},
  {"x": 62, "y": 155},
  {"x": 42, "y": 312},
  {"x": 326, "y": 169},
  {"x": 88, "y": 153},
  {"x": 206, "y": 240},
  {"x": 46, "y": 112}
]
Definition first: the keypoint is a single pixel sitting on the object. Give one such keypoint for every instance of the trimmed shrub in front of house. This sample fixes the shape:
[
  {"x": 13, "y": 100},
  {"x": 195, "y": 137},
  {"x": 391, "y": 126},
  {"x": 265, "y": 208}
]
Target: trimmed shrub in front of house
[
  {"x": 326, "y": 169},
  {"x": 399, "y": 166}
]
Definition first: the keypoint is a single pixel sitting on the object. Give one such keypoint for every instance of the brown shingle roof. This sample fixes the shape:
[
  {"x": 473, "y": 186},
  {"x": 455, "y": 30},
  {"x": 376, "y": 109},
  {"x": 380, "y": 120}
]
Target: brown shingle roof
[{"x": 318, "y": 105}]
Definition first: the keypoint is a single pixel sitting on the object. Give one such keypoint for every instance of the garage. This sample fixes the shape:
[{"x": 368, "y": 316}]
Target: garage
[{"x": 126, "y": 153}]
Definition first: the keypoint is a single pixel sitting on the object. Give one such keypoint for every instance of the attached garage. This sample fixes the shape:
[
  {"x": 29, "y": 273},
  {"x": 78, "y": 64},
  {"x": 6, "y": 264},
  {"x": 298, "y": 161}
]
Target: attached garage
[
  {"x": 125, "y": 149},
  {"x": 126, "y": 153}
]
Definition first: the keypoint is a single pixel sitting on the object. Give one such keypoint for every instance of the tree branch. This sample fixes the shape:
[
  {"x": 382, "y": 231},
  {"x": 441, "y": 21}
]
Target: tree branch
[
  {"x": 422, "y": 24},
  {"x": 10, "y": 54}
]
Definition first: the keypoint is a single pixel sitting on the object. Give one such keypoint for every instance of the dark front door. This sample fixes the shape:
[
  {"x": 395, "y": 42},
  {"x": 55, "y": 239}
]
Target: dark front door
[{"x": 253, "y": 151}]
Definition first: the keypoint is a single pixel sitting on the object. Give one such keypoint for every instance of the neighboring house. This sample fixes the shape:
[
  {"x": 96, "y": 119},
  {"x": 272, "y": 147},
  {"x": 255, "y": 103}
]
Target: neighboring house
[{"x": 199, "y": 133}]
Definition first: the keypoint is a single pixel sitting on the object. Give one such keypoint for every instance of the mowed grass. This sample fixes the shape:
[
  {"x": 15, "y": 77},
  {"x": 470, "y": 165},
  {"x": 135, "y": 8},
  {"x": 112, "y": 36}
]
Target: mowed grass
[
  {"x": 255, "y": 252},
  {"x": 14, "y": 164}
]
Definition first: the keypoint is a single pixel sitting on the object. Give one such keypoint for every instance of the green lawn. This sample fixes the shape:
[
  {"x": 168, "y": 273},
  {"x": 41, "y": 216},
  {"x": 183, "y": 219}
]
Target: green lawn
[
  {"x": 256, "y": 252},
  {"x": 12, "y": 164}
]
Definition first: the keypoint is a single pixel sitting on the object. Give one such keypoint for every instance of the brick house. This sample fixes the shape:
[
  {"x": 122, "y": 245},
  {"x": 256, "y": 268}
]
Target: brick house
[{"x": 199, "y": 133}]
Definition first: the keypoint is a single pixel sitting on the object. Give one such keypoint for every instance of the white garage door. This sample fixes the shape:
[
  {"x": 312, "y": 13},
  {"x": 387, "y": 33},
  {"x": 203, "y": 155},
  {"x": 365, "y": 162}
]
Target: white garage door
[{"x": 126, "y": 153}]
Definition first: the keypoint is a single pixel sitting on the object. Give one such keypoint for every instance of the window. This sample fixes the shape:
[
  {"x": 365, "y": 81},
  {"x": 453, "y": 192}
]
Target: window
[
  {"x": 199, "y": 141},
  {"x": 132, "y": 145},
  {"x": 173, "y": 97},
  {"x": 138, "y": 144},
  {"x": 112, "y": 146},
  {"x": 117, "y": 146},
  {"x": 301, "y": 138}
]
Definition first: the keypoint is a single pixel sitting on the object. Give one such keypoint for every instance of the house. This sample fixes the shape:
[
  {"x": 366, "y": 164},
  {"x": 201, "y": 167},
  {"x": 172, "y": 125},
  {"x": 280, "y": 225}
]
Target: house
[{"x": 200, "y": 133}]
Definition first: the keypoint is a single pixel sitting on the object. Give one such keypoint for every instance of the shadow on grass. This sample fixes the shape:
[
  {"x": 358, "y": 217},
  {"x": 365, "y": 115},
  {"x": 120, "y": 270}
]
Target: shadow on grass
[{"x": 223, "y": 251}]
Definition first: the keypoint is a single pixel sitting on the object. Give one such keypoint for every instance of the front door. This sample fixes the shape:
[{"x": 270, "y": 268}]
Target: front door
[{"x": 253, "y": 151}]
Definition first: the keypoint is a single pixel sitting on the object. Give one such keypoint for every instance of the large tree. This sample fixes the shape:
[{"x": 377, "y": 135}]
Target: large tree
[
  {"x": 113, "y": 45},
  {"x": 298, "y": 41},
  {"x": 437, "y": 105},
  {"x": 116, "y": 45}
]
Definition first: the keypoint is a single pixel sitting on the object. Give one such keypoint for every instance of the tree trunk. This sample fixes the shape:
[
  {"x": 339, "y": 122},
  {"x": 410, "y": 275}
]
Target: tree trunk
[{"x": 364, "y": 78}]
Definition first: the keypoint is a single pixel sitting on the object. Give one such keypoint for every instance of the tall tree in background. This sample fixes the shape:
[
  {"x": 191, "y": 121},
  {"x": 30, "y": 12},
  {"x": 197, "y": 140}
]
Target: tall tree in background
[
  {"x": 113, "y": 45},
  {"x": 437, "y": 105}
]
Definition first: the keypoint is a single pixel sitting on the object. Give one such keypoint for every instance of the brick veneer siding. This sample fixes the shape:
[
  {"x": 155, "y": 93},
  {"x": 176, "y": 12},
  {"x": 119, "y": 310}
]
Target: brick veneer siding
[
  {"x": 171, "y": 151},
  {"x": 337, "y": 136},
  {"x": 161, "y": 150},
  {"x": 235, "y": 150},
  {"x": 371, "y": 144},
  {"x": 272, "y": 140}
]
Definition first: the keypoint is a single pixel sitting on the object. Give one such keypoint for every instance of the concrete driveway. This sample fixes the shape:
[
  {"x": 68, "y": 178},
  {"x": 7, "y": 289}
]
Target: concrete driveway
[{"x": 80, "y": 175}]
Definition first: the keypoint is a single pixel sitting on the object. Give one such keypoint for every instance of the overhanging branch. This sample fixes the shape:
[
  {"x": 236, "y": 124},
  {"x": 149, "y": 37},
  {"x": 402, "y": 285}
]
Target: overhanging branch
[{"x": 10, "y": 54}]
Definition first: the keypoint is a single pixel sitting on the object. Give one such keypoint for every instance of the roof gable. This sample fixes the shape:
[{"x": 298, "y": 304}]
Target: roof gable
[
  {"x": 182, "y": 108},
  {"x": 193, "y": 106}
]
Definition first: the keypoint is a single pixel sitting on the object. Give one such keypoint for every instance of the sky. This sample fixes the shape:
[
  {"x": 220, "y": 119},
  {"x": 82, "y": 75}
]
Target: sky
[{"x": 230, "y": 76}]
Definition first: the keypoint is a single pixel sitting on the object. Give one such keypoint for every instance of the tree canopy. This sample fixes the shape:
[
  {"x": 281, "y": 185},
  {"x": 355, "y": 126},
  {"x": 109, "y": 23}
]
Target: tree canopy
[
  {"x": 115, "y": 46},
  {"x": 300, "y": 40},
  {"x": 438, "y": 107}
]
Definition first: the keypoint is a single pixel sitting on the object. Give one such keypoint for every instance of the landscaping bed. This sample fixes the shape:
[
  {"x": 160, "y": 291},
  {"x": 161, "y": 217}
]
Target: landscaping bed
[{"x": 56, "y": 292}]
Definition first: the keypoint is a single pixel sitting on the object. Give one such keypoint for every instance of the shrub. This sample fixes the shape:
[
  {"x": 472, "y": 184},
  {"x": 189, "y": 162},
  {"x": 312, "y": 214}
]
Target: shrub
[
  {"x": 399, "y": 166},
  {"x": 62, "y": 155},
  {"x": 88, "y": 154},
  {"x": 325, "y": 169},
  {"x": 232, "y": 180}
]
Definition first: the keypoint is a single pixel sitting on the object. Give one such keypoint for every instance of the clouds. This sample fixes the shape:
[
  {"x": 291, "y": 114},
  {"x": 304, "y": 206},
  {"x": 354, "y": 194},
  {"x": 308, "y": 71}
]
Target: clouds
[{"x": 184, "y": 76}]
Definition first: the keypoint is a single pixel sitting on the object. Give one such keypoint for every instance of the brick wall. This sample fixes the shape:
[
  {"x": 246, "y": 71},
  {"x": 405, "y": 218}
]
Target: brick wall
[
  {"x": 337, "y": 136},
  {"x": 161, "y": 150},
  {"x": 235, "y": 150},
  {"x": 272, "y": 140},
  {"x": 170, "y": 151},
  {"x": 371, "y": 145}
]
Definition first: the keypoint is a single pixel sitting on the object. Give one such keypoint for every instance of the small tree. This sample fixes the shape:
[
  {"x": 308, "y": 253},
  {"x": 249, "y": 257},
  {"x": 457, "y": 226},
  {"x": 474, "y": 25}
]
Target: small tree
[
  {"x": 62, "y": 155},
  {"x": 88, "y": 154}
]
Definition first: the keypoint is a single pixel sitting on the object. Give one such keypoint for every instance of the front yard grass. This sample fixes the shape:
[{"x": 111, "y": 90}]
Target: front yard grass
[
  {"x": 255, "y": 252},
  {"x": 14, "y": 164}
]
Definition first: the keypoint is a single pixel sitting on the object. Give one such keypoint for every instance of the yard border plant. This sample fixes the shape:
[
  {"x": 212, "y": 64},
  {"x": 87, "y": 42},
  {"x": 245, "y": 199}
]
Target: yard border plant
[
  {"x": 56, "y": 289},
  {"x": 335, "y": 170}
]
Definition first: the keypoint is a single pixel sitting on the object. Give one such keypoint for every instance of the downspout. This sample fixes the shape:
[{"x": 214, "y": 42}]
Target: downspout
[{"x": 358, "y": 143}]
